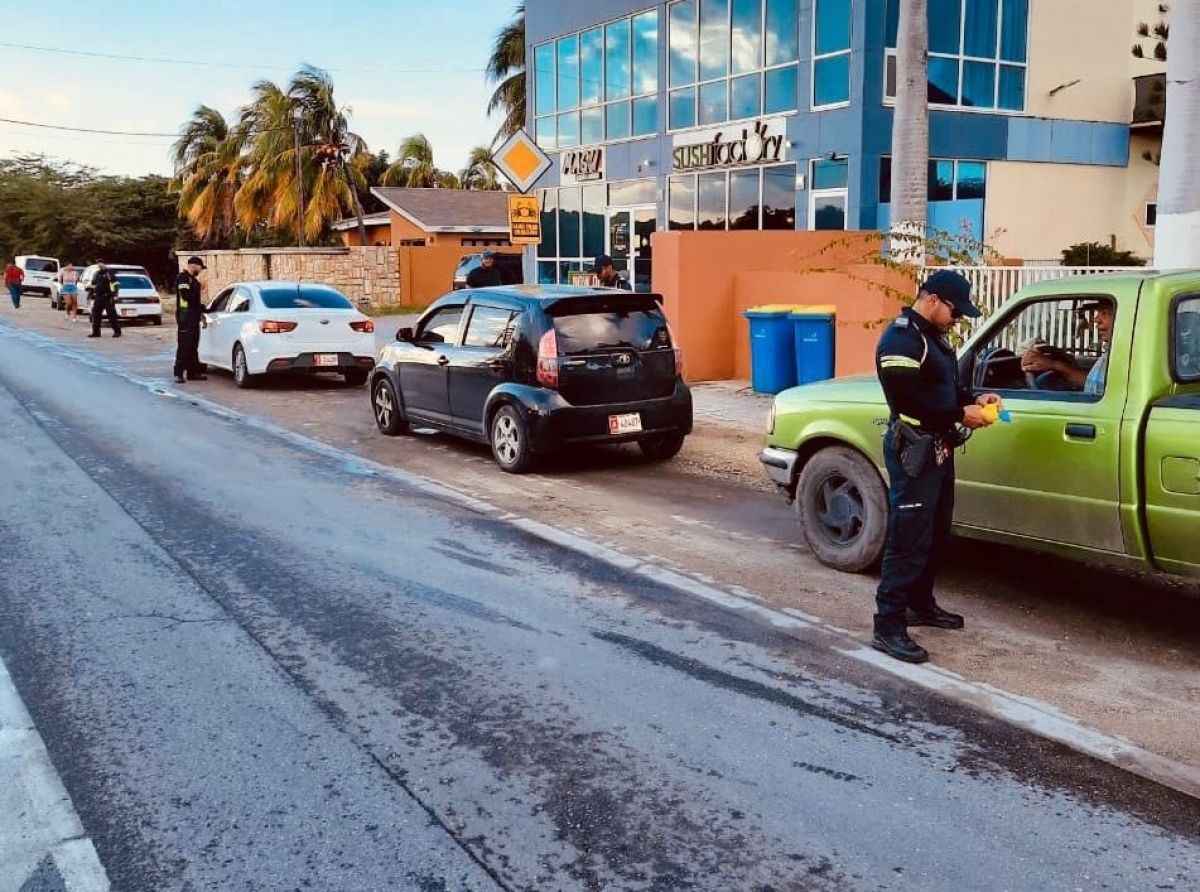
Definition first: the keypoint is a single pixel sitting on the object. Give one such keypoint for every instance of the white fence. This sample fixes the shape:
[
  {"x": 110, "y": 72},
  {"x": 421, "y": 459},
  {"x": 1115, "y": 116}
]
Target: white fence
[{"x": 993, "y": 285}]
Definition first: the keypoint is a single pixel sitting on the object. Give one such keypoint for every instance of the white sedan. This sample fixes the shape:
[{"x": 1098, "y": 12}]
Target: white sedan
[{"x": 260, "y": 328}]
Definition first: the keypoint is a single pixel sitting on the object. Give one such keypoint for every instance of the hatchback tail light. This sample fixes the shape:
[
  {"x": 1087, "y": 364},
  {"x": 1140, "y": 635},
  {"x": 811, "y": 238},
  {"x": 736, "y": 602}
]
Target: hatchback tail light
[
  {"x": 678, "y": 350},
  {"x": 547, "y": 360},
  {"x": 364, "y": 325},
  {"x": 271, "y": 326}
]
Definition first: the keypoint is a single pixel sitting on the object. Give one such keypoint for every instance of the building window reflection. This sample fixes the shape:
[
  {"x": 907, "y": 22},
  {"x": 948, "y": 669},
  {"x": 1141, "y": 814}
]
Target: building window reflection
[
  {"x": 731, "y": 59},
  {"x": 949, "y": 180},
  {"x": 746, "y": 198},
  {"x": 597, "y": 85},
  {"x": 829, "y": 195},
  {"x": 831, "y": 53}
]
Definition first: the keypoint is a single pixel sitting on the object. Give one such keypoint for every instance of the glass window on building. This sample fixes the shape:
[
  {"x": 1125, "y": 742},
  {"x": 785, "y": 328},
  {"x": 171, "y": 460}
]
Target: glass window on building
[
  {"x": 978, "y": 53},
  {"x": 745, "y": 198},
  {"x": 574, "y": 224},
  {"x": 733, "y": 59},
  {"x": 831, "y": 53},
  {"x": 598, "y": 85},
  {"x": 949, "y": 180},
  {"x": 829, "y": 194}
]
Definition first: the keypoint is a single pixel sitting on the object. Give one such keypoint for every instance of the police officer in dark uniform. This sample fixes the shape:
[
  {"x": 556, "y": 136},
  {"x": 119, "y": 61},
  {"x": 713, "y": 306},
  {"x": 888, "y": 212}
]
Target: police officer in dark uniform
[
  {"x": 929, "y": 412},
  {"x": 487, "y": 274},
  {"x": 607, "y": 274},
  {"x": 103, "y": 290},
  {"x": 189, "y": 310}
]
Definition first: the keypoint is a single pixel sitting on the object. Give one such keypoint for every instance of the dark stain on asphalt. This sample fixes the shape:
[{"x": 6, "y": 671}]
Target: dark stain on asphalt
[
  {"x": 658, "y": 656},
  {"x": 457, "y": 554}
]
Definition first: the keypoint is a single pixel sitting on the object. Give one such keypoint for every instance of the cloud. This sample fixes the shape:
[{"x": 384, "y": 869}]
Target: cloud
[{"x": 392, "y": 109}]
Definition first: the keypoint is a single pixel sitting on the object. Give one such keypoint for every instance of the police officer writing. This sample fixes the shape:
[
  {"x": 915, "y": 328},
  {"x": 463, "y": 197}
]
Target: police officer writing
[
  {"x": 104, "y": 290},
  {"x": 931, "y": 414},
  {"x": 188, "y": 312}
]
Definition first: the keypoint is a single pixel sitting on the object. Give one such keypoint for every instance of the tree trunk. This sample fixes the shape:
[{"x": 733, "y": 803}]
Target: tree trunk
[
  {"x": 910, "y": 135},
  {"x": 1177, "y": 230}
]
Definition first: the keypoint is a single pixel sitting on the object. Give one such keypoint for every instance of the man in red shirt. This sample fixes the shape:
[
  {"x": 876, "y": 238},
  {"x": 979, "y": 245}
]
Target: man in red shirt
[{"x": 13, "y": 277}]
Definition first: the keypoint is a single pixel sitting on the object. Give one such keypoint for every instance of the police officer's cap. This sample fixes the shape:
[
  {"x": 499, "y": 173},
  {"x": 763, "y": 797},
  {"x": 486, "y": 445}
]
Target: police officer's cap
[
  {"x": 953, "y": 287},
  {"x": 197, "y": 261}
]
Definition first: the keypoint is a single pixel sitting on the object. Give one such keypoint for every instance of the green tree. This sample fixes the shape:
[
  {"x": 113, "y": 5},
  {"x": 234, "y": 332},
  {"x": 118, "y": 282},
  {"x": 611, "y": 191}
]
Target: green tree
[
  {"x": 506, "y": 68},
  {"x": 414, "y": 167},
  {"x": 209, "y": 170},
  {"x": 1098, "y": 254},
  {"x": 480, "y": 172}
]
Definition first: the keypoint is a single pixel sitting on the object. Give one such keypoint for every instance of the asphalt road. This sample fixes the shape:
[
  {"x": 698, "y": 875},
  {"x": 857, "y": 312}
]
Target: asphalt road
[{"x": 260, "y": 666}]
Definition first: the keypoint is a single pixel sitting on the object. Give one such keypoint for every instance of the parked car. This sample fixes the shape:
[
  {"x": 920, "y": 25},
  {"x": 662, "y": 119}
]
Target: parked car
[
  {"x": 39, "y": 273},
  {"x": 1113, "y": 476},
  {"x": 274, "y": 327},
  {"x": 509, "y": 265},
  {"x": 136, "y": 295},
  {"x": 532, "y": 369}
]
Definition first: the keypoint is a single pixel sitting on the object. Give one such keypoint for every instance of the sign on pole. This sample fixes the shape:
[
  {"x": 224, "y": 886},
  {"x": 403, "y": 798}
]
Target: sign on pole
[
  {"x": 524, "y": 220},
  {"x": 521, "y": 160}
]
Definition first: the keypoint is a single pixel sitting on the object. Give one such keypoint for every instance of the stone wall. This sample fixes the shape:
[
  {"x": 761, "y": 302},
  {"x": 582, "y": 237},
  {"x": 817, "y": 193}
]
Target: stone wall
[{"x": 369, "y": 275}]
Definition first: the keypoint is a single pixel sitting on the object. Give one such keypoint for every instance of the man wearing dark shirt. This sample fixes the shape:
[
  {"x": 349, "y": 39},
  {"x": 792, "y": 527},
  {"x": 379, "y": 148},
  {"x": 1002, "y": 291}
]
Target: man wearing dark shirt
[{"x": 487, "y": 274}]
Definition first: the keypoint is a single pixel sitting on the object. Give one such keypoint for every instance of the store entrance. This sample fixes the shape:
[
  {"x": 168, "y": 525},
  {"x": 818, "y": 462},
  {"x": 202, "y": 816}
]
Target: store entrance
[{"x": 628, "y": 242}]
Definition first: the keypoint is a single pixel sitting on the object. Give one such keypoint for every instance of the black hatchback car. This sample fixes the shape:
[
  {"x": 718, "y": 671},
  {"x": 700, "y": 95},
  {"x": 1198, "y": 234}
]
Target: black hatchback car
[{"x": 530, "y": 369}]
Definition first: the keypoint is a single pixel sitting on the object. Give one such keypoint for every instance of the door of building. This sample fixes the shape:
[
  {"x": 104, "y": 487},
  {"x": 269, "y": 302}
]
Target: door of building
[{"x": 628, "y": 242}]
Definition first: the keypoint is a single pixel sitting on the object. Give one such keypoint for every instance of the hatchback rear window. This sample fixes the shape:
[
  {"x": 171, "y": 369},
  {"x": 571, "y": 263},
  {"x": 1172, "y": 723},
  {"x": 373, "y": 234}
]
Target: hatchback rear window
[
  {"x": 303, "y": 298},
  {"x": 134, "y": 281},
  {"x": 41, "y": 266},
  {"x": 644, "y": 329}
]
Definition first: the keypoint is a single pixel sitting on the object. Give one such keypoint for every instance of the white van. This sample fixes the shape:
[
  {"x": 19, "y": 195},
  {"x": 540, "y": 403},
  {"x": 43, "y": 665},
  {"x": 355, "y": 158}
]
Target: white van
[{"x": 39, "y": 273}]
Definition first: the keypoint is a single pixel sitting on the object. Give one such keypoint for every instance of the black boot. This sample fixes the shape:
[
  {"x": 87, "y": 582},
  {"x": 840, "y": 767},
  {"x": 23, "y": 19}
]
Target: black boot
[
  {"x": 934, "y": 616},
  {"x": 892, "y": 638}
]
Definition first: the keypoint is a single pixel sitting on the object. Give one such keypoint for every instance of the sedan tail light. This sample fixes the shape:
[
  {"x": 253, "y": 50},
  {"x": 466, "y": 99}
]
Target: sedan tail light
[
  {"x": 678, "y": 350},
  {"x": 547, "y": 360},
  {"x": 364, "y": 325},
  {"x": 270, "y": 326}
]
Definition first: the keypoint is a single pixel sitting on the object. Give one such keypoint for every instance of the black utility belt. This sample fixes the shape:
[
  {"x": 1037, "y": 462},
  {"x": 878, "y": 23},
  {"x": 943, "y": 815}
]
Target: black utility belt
[{"x": 918, "y": 449}]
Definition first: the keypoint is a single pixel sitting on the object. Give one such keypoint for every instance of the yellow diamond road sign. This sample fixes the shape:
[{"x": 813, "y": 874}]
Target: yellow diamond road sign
[{"x": 521, "y": 160}]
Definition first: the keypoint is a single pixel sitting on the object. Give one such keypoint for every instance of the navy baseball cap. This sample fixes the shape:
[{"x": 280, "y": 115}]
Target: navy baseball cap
[
  {"x": 954, "y": 288},
  {"x": 602, "y": 261}
]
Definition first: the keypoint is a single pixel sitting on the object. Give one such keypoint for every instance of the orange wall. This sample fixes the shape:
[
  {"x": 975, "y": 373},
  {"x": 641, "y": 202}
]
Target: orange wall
[
  {"x": 428, "y": 273},
  {"x": 708, "y": 278},
  {"x": 379, "y": 233}
]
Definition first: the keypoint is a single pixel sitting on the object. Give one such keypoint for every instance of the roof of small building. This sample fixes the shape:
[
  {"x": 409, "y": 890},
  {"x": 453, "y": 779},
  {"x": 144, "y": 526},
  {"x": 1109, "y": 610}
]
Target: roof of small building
[
  {"x": 448, "y": 210},
  {"x": 383, "y": 218}
]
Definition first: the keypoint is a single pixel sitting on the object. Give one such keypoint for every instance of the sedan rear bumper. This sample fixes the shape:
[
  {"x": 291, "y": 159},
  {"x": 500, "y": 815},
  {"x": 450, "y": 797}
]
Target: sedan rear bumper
[{"x": 307, "y": 362}]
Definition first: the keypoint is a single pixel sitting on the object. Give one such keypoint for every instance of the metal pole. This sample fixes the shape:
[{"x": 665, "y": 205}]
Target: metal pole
[{"x": 299, "y": 187}]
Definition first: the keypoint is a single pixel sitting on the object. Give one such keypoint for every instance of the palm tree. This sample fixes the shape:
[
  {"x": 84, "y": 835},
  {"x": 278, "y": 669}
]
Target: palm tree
[
  {"x": 293, "y": 186},
  {"x": 209, "y": 169},
  {"x": 1177, "y": 231},
  {"x": 414, "y": 167},
  {"x": 507, "y": 67},
  {"x": 480, "y": 172},
  {"x": 910, "y": 135}
]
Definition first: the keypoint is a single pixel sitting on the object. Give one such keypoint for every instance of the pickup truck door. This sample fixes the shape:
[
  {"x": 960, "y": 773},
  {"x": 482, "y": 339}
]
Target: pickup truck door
[
  {"x": 1053, "y": 472},
  {"x": 1172, "y": 467}
]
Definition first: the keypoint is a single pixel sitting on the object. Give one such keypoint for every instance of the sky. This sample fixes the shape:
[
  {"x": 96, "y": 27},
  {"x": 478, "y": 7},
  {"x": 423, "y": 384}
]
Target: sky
[{"x": 400, "y": 66}]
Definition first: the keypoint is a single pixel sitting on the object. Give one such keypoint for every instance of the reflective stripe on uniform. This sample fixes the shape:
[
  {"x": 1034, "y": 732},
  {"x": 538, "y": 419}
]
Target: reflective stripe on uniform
[
  {"x": 898, "y": 362},
  {"x": 908, "y": 419}
]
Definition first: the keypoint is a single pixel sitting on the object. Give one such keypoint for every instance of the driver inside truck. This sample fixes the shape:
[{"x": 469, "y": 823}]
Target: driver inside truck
[{"x": 1049, "y": 364}]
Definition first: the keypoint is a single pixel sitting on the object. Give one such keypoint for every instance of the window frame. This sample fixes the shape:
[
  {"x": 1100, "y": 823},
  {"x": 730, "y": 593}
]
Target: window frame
[
  {"x": 1173, "y": 329},
  {"x": 695, "y": 209},
  {"x": 424, "y": 325},
  {"x": 835, "y": 54},
  {"x": 507, "y": 330},
  {"x": 956, "y": 178}
]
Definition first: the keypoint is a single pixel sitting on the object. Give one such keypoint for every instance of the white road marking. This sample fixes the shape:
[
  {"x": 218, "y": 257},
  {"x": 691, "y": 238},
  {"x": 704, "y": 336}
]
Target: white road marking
[
  {"x": 1034, "y": 716},
  {"x": 37, "y": 821}
]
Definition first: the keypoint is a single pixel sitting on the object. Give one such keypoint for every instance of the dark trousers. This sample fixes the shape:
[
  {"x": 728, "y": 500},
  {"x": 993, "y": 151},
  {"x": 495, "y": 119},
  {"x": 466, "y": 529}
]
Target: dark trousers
[
  {"x": 102, "y": 306},
  {"x": 187, "y": 350},
  {"x": 920, "y": 511}
]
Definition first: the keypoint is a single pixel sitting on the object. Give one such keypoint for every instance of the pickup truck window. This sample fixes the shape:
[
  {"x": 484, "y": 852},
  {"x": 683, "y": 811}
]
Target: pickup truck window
[
  {"x": 1050, "y": 346},
  {"x": 1186, "y": 339}
]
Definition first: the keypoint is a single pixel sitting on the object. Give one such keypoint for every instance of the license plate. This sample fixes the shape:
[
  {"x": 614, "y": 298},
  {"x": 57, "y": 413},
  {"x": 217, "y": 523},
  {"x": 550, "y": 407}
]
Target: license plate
[
  {"x": 625, "y": 424},
  {"x": 129, "y": 312},
  {"x": 327, "y": 359}
]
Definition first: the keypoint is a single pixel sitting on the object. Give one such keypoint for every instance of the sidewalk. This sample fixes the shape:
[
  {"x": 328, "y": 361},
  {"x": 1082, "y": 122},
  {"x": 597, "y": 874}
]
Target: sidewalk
[{"x": 732, "y": 404}]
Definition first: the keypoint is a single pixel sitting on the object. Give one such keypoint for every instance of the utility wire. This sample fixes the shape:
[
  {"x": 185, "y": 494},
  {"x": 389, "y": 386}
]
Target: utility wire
[
  {"x": 209, "y": 64},
  {"x": 83, "y": 129}
]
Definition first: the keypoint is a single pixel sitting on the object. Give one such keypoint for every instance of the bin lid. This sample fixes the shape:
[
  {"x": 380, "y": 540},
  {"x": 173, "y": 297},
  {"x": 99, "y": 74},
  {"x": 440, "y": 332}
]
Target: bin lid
[
  {"x": 770, "y": 310},
  {"x": 803, "y": 311}
]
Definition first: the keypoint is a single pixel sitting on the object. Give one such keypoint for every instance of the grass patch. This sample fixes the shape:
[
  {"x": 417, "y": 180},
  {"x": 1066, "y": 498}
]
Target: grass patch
[{"x": 395, "y": 310}]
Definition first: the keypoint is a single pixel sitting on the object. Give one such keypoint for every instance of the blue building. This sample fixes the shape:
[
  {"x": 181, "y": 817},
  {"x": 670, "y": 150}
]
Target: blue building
[{"x": 776, "y": 114}]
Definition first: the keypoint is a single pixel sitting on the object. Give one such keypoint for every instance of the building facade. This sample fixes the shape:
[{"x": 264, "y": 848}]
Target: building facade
[{"x": 777, "y": 114}]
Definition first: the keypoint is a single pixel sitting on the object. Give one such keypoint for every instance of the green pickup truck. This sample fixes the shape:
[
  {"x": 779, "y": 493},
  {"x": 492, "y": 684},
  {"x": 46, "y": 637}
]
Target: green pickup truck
[{"x": 1111, "y": 474}]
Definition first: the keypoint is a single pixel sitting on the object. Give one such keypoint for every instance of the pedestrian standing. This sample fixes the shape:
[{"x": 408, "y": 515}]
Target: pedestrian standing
[
  {"x": 607, "y": 274},
  {"x": 103, "y": 290},
  {"x": 929, "y": 410},
  {"x": 487, "y": 274},
  {"x": 68, "y": 290},
  {"x": 13, "y": 277},
  {"x": 189, "y": 310}
]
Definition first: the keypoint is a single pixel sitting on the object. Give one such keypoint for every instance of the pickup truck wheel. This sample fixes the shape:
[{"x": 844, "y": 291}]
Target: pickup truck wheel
[{"x": 841, "y": 503}]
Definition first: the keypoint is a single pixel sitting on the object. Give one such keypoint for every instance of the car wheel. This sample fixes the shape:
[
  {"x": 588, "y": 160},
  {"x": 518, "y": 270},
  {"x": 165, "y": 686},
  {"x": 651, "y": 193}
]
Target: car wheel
[
  {"x": 241, "y": 371},
  {"x": 156, "y": 320},
  {"x": 661, "y": 448},
  {"x": 386, "y": 408},
  {"x": 841, "y": 502},
  {"x": 509, "y": 438},
  {"x": 355, "y": 377}
]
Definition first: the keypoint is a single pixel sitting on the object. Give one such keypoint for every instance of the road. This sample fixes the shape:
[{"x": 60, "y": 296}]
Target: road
[{"x": 259, "y": 663}]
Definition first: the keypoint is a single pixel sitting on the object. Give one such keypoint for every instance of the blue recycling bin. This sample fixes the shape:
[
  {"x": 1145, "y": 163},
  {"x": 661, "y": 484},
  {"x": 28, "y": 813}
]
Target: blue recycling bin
[
  {"x": 772, "y": 348},
  {"x": 814, "y": 342}
]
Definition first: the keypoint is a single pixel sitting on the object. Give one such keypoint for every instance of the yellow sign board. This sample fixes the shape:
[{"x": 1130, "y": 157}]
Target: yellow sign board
[
  {"x": 524, "y": 220},
  {"x": 521, "y": 160}
]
